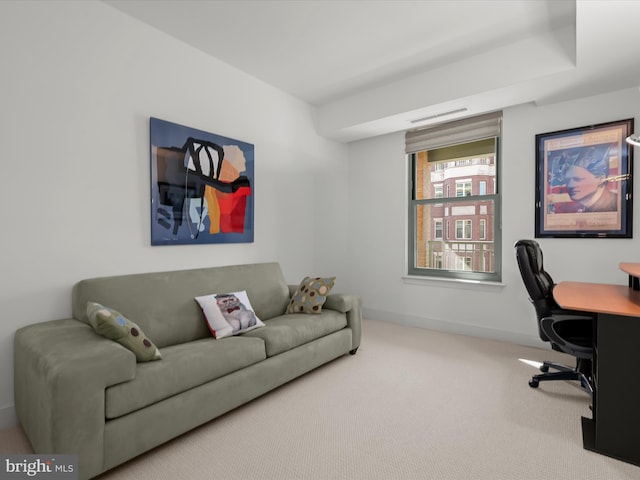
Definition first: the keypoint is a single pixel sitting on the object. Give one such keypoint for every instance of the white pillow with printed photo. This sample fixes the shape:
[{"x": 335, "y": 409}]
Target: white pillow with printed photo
[{"x": 229, "y": 313}]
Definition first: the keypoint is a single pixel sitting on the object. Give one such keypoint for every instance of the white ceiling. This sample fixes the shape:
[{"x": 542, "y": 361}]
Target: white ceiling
[{"x": 375, "y": 66}]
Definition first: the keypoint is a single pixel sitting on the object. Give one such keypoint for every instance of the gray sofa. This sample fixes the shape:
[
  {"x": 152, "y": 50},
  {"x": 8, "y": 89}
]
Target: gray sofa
[{"x": 77, "y": 392}]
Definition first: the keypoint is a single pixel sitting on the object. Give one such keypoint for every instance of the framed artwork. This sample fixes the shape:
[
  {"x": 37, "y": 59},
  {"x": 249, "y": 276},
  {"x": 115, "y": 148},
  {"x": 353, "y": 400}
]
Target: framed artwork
[
  {"x": 202, "y": 186},
  {"x": 584, "y": 182}
]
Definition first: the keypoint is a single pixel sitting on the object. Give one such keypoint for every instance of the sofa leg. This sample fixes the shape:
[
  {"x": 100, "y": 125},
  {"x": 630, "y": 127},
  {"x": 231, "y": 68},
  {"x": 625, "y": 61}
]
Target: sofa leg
[{"x": 353, "y": 352}]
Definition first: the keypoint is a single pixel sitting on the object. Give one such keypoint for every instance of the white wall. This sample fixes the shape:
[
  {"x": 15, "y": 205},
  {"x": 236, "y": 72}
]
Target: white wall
[
  {"x": 79, "y": 83},
  {"x": 377, "y": 241}
]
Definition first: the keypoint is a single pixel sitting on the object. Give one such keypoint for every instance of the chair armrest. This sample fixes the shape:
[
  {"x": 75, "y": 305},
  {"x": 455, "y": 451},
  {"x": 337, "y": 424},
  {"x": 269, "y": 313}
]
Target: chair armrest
[
  {"x": 551, "y": 325},
  {"x": 61, "y": 371}
]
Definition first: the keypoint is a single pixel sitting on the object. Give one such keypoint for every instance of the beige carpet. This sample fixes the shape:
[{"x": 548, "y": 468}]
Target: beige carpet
[{"x": 412, "y": 404}]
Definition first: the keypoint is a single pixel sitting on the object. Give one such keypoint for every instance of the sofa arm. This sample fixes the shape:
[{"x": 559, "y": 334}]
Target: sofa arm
[
  {"x": 352, "y": 306},
  {"x": 61, "y": 371},
  {"x": 345, "y": 303}
]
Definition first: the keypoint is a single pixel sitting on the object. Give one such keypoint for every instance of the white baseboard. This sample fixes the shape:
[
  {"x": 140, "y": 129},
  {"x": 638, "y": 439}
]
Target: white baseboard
[
  {"x": 453, "y": 327},
  {"x": 8, "y": 417}
]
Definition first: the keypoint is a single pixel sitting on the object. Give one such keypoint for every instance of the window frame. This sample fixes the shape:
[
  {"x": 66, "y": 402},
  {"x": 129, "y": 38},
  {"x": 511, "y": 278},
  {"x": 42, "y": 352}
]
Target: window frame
[{"x": 495, "y": 197}]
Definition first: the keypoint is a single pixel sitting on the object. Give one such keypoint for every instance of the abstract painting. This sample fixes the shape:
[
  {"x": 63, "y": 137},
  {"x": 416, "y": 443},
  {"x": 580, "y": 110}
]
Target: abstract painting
[{"x": 201, "y": 186}]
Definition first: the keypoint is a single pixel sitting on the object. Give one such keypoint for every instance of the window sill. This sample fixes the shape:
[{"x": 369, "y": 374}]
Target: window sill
[{"x": 451, "y": 282}]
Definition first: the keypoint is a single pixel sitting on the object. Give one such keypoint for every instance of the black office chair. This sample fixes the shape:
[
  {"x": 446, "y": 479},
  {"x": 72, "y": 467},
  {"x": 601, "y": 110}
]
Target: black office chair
[{"x": 568, "y": 331}]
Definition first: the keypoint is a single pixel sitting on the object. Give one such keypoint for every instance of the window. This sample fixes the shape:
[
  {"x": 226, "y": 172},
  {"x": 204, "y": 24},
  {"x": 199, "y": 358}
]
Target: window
[
  {"x": 437, "y": 229},
  {"x": 463, "y": 229},
  {"x": 454, "y": 203},
  {"x": 437, "y": 259},
  {"x": 463, "y": 188}
]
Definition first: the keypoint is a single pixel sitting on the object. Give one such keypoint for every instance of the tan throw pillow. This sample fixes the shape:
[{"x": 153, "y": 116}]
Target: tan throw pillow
[
  {"x": 311, "y": 295},
  {"x": 113, "y": 325}
]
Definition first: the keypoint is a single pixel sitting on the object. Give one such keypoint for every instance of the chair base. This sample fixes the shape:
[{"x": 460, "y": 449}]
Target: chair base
[{"x": 563, "y": 373}]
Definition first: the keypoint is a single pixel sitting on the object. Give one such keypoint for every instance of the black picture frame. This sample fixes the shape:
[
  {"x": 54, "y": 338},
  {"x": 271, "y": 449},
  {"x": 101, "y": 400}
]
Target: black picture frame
[{"x": 584, "y": 182}]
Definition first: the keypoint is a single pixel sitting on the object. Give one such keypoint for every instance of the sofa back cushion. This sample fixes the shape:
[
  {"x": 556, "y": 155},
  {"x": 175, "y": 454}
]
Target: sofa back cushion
[{"x": 163, "y": 303}]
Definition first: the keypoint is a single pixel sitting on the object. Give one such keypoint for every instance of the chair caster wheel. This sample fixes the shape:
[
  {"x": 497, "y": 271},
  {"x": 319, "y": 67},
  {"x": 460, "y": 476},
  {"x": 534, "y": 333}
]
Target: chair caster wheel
[
  {"x": 544, "y": 368},
  {"x": 534, "y": 383}
]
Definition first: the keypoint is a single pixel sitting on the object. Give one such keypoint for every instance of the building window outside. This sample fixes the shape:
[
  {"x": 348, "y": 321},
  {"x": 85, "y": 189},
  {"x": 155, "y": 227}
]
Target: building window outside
[
  {"x": 437, "y": 259},
  {"x": 437, "y": 228},
  {"x": 454, "y": 223},
  {"x": 463, "y": 229},
  {"x": 463, "y": 188}
]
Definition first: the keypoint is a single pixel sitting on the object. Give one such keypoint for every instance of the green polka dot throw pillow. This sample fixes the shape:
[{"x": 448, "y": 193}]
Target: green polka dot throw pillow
[
  {"x": 113, "y": 325},
  {"x": 311, "y": 295}
]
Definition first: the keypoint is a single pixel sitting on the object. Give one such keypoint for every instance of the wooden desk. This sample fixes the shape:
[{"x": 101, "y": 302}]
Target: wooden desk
[
  {"x": 614, "y": 428},
  {"x": 633, "y": 270},
  {"x": 598, "y": 298}
]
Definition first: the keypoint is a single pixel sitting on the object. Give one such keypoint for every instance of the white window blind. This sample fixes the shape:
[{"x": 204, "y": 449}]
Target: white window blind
[{"x": 453, "y": 133}]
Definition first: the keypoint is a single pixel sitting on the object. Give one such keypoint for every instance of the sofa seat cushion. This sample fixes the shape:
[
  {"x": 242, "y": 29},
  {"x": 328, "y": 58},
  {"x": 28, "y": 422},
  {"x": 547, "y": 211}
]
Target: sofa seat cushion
[
  {"x": 183, "y": 366},
  {"x": 294, "y": 329}
]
